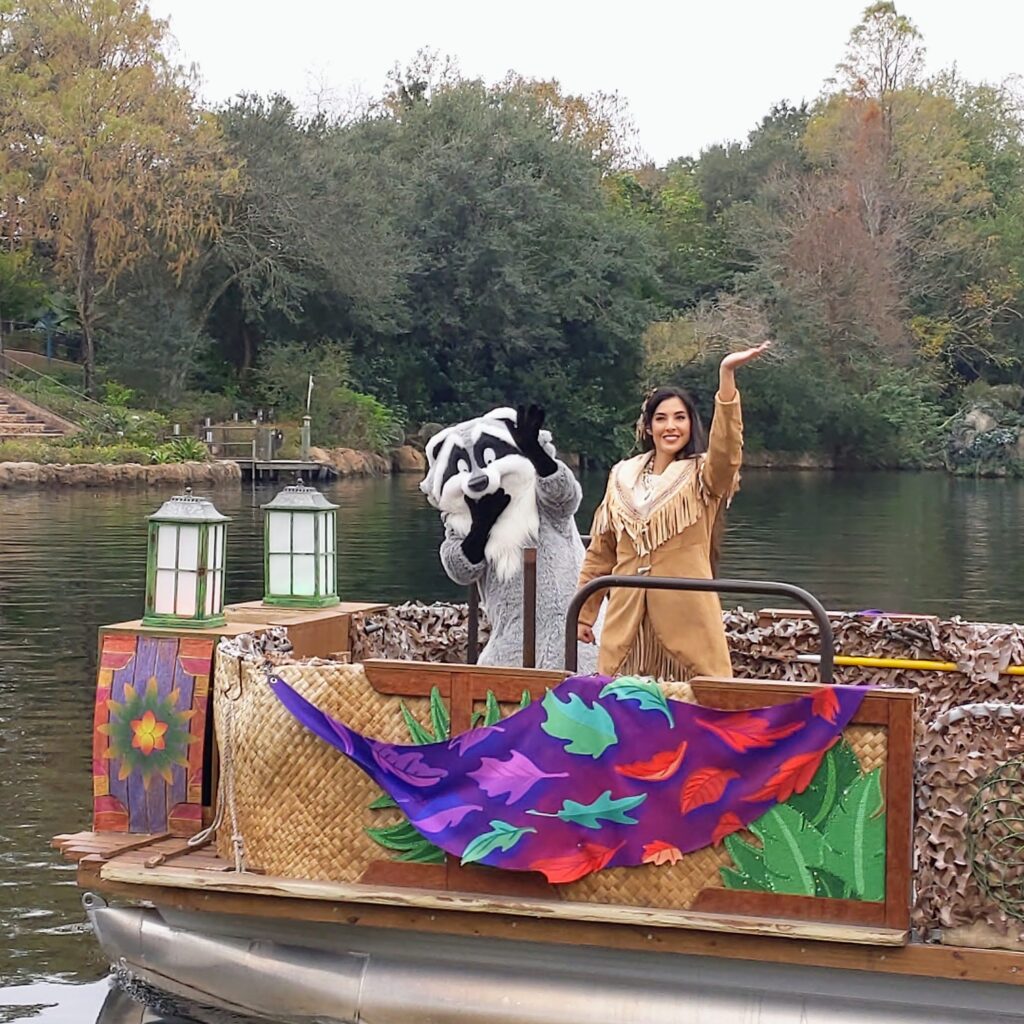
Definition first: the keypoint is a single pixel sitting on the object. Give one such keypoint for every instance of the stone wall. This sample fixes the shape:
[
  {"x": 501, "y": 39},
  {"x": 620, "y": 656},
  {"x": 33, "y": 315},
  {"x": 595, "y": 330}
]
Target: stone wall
[{"x": 32, "y": 474}]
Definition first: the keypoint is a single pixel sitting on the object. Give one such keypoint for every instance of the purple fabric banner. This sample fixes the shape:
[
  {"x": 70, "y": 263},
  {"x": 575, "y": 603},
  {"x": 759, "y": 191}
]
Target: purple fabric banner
[{"x": 600, "y": 773}]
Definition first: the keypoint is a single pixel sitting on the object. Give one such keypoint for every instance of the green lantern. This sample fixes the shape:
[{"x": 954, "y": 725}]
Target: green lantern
[
  {"x": 300, "y": 556},
  {"x": 185, "y": 564}
]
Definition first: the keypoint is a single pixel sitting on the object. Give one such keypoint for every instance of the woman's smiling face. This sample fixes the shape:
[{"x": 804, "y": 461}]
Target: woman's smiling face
[{"x": 670, "y": 427}]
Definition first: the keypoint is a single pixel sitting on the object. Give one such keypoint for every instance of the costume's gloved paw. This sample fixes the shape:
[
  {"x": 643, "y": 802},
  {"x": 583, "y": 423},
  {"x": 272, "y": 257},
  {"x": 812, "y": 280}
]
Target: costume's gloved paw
[
  {"x": 526, "y": 434},
  {"x": 484, "y": 514}
]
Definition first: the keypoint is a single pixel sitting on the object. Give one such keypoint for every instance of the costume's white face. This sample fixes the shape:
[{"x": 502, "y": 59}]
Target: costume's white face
[{"x": 471, "y": 460}]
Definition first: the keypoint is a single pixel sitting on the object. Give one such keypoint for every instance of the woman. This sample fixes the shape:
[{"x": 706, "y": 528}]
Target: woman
[{"x": 657, "y": 518}]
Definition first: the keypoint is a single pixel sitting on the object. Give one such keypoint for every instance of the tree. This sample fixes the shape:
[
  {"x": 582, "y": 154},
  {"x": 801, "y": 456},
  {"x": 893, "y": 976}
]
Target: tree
[
  {"x": 884, "y": 54},
  {"x": 308, "y": 246},
  {"x": 114, "y": 164},
  {"x": 527, "y": 282}
]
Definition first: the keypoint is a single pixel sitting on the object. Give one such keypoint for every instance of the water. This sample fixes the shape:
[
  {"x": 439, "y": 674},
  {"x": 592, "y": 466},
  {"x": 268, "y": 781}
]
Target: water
[{"x": 70, "y": 561}]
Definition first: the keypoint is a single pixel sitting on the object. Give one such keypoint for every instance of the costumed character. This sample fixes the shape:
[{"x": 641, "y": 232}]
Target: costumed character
[{"x": 500, "y": 489}]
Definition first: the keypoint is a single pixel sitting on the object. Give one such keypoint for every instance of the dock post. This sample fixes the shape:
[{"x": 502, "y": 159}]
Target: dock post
[{"x": 306, "y": 422}]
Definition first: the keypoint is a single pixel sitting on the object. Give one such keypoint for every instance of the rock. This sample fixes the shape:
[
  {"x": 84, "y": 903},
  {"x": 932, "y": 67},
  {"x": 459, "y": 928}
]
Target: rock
[
  {"x": 979, "y": 421},
  {"x": 349, "y": 462},
  {"x": 427, "y": 431},
  {"x": 176, "y": 475},
  {"x": 408, "y": 459}
]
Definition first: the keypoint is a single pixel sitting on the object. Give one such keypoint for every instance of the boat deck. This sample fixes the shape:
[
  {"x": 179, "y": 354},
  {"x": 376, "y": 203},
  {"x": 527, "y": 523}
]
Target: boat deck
[{"x": 166, "y": 871}]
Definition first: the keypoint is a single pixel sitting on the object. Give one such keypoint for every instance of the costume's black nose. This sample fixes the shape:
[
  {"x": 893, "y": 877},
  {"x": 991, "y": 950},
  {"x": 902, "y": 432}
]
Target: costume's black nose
[{"x": 478, "y": 483}]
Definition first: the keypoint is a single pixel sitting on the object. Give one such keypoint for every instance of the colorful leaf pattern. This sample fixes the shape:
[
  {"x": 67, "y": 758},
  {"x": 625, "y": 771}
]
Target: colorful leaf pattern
[{"x": 605, "y": 772}]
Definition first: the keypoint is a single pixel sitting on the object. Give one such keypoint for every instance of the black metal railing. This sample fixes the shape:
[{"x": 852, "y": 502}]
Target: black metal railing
[{"x": 825, "y": 667}]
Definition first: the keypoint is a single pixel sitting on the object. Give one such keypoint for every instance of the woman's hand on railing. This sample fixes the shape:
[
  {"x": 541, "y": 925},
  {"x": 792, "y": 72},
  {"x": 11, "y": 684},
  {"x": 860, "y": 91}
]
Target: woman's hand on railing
[{"x": 584, "y": 633}]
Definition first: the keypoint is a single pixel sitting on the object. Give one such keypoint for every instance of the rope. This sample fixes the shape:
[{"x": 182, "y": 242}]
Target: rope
[{"x": 226, "y": 783}]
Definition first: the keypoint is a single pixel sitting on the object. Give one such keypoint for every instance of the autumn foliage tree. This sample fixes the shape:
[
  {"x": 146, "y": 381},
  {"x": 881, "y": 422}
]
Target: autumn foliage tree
[{"x": 106, "y": 158}]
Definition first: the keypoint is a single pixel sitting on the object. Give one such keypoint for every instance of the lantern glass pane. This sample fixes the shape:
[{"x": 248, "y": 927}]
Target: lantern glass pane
[
  {"x": 303, "y": 580},
  {"x": 303, "y": 540},
  {"x": 163, "y": 598},
  {"x": 188, "y": 549},
  {"x": 166, "y": 545},
  {"x": 186, "y": 603},
  {"x": 213, "y": 591},
  {"x": 279, "y": 532},
  {"x": 215, "y": 548},
  {"x": 280, "y": 572}
]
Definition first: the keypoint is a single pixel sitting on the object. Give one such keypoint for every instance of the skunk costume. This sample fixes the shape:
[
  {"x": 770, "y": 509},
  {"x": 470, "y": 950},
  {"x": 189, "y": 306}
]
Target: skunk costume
[{"x": 500, "y": 489}]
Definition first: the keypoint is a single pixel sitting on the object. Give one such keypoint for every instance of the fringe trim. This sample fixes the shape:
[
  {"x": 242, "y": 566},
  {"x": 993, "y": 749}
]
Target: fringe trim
[
  {"x": 648, "y": 657},
  {"x": 673, "y": 511}
]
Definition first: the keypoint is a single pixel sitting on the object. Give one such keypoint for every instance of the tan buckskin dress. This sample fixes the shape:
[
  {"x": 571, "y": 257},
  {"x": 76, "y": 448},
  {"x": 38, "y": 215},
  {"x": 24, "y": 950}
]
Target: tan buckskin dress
[{"x": 662, "y": 633}]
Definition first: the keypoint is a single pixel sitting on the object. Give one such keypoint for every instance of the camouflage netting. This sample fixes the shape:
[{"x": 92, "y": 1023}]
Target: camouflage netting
[{"x": 969, "y": 725}]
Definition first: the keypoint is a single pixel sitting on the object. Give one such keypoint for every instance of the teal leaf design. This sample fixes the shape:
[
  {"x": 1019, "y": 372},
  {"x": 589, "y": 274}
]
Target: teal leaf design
[
  {"x": 439, "y": 717},
  {"x": 502, "y": 836},
  {"x": 855, "y": 838},
  {"x": 646, "y": 692},
  {"x": 590, "y": 729},
  {"x": 838, "y": 770},
  {"x": 403, "y": 839},
  {"x": 603, "y": 808}
]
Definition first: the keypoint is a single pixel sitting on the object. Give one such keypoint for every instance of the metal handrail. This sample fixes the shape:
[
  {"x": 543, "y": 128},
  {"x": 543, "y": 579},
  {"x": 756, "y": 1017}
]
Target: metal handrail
[
  {"x": 81, "y": 395},
  {"x": 825, "y": 668}
]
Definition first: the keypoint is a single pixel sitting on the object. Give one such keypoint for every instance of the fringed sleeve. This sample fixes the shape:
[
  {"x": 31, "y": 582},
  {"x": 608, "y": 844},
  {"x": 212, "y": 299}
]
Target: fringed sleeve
[{"x": 720, "y": 468}]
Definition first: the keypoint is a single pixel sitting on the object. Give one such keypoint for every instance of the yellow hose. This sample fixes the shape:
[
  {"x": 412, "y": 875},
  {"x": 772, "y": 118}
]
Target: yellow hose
[{"x": 905, "y": 663}]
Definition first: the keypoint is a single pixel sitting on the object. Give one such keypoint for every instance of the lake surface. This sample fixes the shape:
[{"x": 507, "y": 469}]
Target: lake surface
[{"x": 73, "y": 560}]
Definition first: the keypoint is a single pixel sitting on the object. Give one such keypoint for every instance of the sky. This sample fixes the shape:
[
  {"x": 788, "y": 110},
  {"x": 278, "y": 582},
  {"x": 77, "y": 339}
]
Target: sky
[{"x": 692, "y": 74}]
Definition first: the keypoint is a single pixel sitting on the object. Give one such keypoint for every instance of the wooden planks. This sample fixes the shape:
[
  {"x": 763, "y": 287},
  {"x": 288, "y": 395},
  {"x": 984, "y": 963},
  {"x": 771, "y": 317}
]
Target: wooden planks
[{"x": 123, "y": 869}]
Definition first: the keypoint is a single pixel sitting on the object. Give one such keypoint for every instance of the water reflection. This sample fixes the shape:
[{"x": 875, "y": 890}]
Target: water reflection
[{"x": 72, "y": 560}]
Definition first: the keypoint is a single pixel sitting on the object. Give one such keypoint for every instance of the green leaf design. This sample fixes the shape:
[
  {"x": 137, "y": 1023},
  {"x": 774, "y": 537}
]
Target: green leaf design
[
  {"x": 827, "y": 884},
  {"x": 526, "y": 700},
  {"x": 382, "y": 803},
  {"x": 604, "y": 807},
  {"x": 590, "y": 729},
  {"x": 838, "y": 770},
  {"x": 409, "y": 844},
  {"x": 502, "y": 836},
  {"x": 645, "y": 691},
  {"x": 439, "y": 717},
  {"x": 417, "y": 733},
  {"x": 792, "y": 847},
  {"x": 855, "y": 838},
  {"x": 492, "y": 710},
  {"x": 750, "y": 870}
]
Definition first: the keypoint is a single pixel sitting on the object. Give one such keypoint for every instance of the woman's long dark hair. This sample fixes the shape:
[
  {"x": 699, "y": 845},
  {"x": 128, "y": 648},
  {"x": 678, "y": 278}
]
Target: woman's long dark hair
[{"x": 696, "y": 445}]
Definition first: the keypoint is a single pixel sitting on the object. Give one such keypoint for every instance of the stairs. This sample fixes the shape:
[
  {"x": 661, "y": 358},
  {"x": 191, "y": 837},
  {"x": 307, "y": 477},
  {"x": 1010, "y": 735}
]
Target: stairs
[{"x": 20, "y": 419}]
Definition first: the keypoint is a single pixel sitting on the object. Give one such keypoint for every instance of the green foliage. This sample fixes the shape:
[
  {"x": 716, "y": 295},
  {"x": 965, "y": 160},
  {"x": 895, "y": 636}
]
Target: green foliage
[
  {"x": 828, "y": 841},
  {"x": 53, "y": 453},
  {"x": 181, "y": 449}
]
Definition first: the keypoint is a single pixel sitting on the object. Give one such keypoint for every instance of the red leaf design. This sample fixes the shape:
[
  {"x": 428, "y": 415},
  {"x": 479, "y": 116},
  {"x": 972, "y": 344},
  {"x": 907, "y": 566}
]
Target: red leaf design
[
  {"x": 825, "y": 704},
  {"x": 588, "y": 858},
  {"x": 704, "y": 786},
  {"x": 793, "y": 776},
  {"x": 744, "y": 732},
  {"x": 727, "y": 824},
  {"x": 660, "y": 852},
  {"x": 660, "y": 767}
]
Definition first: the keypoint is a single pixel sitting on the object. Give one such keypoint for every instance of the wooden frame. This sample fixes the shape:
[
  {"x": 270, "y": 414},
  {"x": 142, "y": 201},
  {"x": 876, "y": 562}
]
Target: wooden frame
[{"x": 465, "y": 685}]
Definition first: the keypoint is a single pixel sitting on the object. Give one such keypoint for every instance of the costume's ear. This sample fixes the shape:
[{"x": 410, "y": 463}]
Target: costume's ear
[{"x": 504, "y": 413}]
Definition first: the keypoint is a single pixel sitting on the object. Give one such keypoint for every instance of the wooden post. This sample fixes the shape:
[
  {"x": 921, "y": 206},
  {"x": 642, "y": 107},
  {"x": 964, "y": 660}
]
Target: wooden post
[
  {"x": 530, "y": 608},
  {"x": 473, "y": 630}
]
